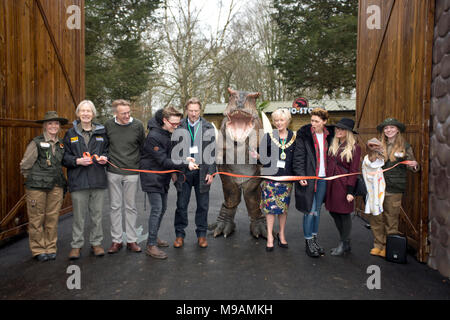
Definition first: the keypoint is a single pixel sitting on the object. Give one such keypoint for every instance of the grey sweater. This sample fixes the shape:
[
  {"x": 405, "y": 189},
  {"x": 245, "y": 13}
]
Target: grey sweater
[{"x": 125, "y": 143}]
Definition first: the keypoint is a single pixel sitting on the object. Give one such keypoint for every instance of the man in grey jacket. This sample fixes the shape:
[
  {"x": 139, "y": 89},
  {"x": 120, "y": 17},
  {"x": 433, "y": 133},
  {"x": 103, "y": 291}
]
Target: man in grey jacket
[
  {"x": 198, "y": 139},
  {"x": 126, "y": 136}
]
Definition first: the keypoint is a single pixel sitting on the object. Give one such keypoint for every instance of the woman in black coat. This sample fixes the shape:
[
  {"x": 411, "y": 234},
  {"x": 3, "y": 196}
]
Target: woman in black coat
[{"x": 310, "y": 158}]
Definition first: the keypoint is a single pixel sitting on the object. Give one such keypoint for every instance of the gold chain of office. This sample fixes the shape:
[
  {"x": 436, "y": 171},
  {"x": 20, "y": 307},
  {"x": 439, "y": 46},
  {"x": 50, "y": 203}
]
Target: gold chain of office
[{"x": 283, "y": 146}]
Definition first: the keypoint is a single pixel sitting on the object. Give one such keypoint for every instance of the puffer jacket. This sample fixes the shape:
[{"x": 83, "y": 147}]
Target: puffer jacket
[{"x": 155, "y": 156}]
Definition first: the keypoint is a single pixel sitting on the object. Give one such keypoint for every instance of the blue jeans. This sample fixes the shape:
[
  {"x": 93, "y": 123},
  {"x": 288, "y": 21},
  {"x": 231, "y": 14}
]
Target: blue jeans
[
  {"x": 311, "y": 220},
  {"x": 158, "y": 203},
  {"x": 201, "y": 214}
]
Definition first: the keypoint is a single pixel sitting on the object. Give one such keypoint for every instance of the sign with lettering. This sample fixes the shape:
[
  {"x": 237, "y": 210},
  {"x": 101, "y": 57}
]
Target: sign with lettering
[{"x": 300, "y": 106}]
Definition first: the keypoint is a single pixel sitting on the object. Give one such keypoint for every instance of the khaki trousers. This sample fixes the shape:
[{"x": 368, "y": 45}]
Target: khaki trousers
[
  {"x": 387, "y": 222},
  {"x": 122, "y": 191},
  {"x": 87, "y": 202},
  {"x": 43, "y": 212}
]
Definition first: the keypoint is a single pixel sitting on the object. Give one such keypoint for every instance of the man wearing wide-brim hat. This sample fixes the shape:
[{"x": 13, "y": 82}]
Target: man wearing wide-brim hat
[{"x": 44, "y": 186}]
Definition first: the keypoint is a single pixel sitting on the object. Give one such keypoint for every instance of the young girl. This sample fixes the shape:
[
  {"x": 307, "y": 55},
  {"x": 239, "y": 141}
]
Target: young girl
[{"x": 397, "y": 150}]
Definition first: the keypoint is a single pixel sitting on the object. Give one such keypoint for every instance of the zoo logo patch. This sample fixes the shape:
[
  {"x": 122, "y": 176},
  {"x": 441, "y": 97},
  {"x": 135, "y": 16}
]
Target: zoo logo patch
[
  {"x": 74, "y": 139},
  {"x": 99, "y": 138}
]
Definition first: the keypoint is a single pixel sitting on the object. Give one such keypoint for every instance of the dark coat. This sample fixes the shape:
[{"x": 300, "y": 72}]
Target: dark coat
[
  {"x": 266, "y": 145},
  {"x": 305, "y": 164},
  {"x": 337, "y": 190},
  {"x": 156, "y": 157},
  {"x": 208, "y": 143},
  {"x": 81, "y": 177}
]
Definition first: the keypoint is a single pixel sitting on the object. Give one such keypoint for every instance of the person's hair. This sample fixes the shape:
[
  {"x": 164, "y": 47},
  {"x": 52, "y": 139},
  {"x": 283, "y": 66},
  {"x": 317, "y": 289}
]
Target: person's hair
[
  {"x": 282, "y": 112},
  {"x": 88, "y": 103},
  {"x": 192, "y": 101},
  {"x": 321, "y": 113},
  {"x": 398, "y": 147},
  {"x": 120, "y": 102},
  {"x": 347, "y": 153},
  {"x": 170, "y": 111}
]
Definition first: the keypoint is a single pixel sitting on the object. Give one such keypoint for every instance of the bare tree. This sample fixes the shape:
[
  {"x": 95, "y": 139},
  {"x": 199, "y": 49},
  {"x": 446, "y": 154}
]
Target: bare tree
[{"x": 190, "y": 54}]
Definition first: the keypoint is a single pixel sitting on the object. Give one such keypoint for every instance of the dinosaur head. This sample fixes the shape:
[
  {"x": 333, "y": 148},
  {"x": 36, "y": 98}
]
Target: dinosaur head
[
  {"x": 376, "y": 149},
  {"x": 241, "y": 114}
]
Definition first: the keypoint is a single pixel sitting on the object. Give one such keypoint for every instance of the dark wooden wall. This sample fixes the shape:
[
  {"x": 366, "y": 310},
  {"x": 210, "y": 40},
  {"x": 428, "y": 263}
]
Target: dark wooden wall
[
  {"x": 393, "y": 80},
  {"x": 41, "y": 69}
]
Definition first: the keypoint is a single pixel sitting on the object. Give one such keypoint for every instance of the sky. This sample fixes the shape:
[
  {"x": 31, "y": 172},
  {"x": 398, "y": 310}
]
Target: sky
[{"x": 210, "y": 10}]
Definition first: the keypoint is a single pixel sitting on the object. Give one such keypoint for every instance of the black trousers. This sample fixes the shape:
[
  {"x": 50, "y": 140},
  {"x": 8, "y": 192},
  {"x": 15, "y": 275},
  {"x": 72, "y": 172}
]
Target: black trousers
[{"x": 344, "y": 224}]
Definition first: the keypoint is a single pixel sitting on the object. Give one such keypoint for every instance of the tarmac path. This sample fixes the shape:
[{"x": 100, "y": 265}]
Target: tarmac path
[{"x": 235, "y": 268}]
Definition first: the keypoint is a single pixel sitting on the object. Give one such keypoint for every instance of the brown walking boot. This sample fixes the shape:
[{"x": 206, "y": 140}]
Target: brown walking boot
[
  {"x": 115, "y": 247},
  {"x": 74, "y": 254},
  {"x": 154, "y": 252},
  {"x": 98, "y": 251},
  {"x": 162, "y": 243},
  {"x": 132, "y": 246},
  {"x": 178, "y": 243},
  {"x": 202, "y": 242}
]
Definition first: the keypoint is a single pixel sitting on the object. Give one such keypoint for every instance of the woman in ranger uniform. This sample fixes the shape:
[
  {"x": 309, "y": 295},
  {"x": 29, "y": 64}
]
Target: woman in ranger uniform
[
  {"x": 397, "y": 150},
  {"x": 44, "y": 187}
]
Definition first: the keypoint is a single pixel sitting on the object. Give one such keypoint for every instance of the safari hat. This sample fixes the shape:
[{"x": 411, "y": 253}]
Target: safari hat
[
  {"x": 391, "y": 122},
  {"x": 53, "y": 116}
]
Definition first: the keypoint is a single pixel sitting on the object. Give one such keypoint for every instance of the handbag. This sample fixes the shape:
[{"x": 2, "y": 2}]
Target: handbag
[{"x": 360, "y": 186}]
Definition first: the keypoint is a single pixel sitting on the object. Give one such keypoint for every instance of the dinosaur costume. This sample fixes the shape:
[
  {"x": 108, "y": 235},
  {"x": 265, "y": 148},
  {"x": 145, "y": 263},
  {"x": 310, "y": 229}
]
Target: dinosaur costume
[{"x": 239, "y": 135}]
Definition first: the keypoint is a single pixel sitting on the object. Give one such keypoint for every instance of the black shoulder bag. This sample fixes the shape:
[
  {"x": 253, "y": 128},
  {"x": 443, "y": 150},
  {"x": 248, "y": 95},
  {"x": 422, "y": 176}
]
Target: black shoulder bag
[{"x": 360, "y": 186}]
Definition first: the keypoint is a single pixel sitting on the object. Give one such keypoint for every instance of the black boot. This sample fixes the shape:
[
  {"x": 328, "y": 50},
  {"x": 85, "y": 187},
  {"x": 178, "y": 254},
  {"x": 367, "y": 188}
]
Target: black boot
[
  {"x": 339, "y": 250},
  {"x": 347, "y": 247},
  {"x": 311, "y": 248},
  {"x": 318, "y": 247}
]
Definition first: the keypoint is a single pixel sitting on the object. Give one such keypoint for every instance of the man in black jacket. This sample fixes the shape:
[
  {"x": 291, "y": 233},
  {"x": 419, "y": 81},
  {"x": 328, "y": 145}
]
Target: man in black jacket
[
  {"x": 198, "y": 140},
  {"x": 156, "y": 157}
]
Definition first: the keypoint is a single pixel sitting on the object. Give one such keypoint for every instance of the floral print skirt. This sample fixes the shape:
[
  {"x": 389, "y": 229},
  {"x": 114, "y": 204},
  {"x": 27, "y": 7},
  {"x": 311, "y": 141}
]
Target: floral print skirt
[{"x": 276, "y": 197}]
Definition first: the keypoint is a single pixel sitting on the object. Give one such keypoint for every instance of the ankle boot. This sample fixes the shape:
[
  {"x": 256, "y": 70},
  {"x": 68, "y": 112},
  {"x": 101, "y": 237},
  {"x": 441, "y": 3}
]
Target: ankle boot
[
  {"x": 347, "y": 247},
  {"x": 311, "y": 248},
  {"x": 320, "y": 250},
  {"x": 339, "y": 250}
]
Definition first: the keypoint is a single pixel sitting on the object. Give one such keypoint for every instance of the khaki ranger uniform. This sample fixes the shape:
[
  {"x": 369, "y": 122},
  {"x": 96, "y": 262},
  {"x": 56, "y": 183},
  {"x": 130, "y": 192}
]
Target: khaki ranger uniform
[
  {"x": 44, "y": 186},
  {"x": 387, "y": 222}
]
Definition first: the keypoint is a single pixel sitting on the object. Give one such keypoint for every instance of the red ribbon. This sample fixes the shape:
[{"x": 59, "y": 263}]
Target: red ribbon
[
  {"x": 298, "y": 178},
  {"x": 274, "y": 178},
  {"x": 88, "y": 155}
]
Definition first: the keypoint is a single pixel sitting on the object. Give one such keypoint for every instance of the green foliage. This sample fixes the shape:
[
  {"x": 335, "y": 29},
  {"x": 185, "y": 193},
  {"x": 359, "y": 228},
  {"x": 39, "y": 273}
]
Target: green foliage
[
  {"x": 317, "y": 44},
  {"x": 118, "y": 64},
  {"x": 261, "y": 106}
]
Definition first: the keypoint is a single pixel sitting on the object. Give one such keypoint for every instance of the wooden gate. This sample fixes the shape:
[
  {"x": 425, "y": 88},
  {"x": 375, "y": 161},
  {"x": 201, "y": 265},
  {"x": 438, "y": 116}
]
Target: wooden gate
[
  {"x": 41, "y": 69},
  {"x": 394, "y": 80}
]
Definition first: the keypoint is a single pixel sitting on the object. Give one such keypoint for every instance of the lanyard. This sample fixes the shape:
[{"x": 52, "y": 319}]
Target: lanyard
[
  {"x": 196, "y": 131},
  {"x": 283, "y": 142}
]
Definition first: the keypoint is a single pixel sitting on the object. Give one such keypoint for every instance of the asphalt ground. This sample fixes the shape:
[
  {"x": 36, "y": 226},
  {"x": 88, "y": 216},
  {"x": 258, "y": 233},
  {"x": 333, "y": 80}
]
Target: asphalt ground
[{"x": 234, "y": 268}]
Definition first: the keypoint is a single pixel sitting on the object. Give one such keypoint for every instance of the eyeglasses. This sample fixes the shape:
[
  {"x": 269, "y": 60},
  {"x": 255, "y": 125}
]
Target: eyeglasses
[{"x": 173, "y": 124}]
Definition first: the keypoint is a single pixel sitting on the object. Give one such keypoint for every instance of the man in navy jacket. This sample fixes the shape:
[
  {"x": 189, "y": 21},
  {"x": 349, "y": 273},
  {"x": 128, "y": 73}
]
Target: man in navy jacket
[{"x": 156, "y": 156}]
